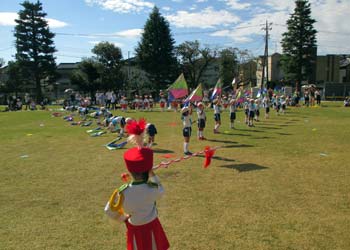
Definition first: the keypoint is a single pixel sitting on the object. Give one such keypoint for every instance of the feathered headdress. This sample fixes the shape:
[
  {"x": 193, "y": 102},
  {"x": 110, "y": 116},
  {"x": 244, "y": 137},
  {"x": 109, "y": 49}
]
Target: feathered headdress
[
  {"x": 138, "y": 159},
  {"x": 136, "y": 130}
]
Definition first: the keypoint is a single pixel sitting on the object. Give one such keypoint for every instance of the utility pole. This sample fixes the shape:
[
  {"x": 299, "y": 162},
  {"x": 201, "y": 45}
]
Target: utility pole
[{"x": 265, "y": 62}]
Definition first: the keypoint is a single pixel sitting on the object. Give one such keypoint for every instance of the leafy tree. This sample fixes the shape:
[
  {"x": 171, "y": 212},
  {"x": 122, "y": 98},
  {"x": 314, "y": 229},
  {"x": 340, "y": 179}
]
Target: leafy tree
[
  {"x": 16, "y": 78},
  {"x": 109, "y": 57},
  {"x": 299, "y": 44},
  {"x": 155, "y": 51},
  {"x": 194, "y": 60},
  {"x": 228, "y": 65},
  {"x": 86, "y": 77},
  {"x": 35, "y": 46}
]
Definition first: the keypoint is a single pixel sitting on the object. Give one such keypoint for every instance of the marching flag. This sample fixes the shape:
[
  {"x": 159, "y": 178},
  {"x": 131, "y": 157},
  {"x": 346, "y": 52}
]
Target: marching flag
[
  {"x": 234, "y": 81},
  {"x": 258, "y": 94},
  {"x": 217, "y": 90},
  {"x": 179, "y": 88},
  {"x": 196, "y": 94},
  {"x": 238, "y": 95}
]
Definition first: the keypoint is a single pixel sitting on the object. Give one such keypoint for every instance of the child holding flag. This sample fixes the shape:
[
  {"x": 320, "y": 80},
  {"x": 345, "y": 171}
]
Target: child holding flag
[
  {"x": 201, "y": 120},
  {"x": 217, "y": 117},
  {"x": 233, "y": 109},
  {"x": 251, "y": 108},
  {"x": 135, "y": 203}
]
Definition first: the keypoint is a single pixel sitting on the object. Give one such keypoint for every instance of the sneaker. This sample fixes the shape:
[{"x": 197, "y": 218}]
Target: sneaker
[
  {"x": 188, "y": 153},
  {"x": 203, "y": 138}
]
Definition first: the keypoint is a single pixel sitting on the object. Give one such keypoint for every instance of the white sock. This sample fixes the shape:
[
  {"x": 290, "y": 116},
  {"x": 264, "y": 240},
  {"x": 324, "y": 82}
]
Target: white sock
[
  {"x": 185, "y": 147},
  {"x": 150, "y": 144},
  {"x": 198, "y": 133}
]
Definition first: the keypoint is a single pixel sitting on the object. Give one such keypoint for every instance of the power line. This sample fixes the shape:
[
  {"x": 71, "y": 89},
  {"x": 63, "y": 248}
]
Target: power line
[
  {"x": 321, "y": 31},
  {"x": 92, "y": 35}
]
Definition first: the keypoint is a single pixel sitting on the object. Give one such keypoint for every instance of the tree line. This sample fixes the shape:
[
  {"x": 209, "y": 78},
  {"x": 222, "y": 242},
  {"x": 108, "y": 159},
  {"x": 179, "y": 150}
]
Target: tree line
[{"x": 156, "y": 55}]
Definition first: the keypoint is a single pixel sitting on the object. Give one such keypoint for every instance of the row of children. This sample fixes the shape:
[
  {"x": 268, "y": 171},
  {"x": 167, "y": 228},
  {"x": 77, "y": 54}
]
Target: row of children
[{"x": 135, "y": 203}]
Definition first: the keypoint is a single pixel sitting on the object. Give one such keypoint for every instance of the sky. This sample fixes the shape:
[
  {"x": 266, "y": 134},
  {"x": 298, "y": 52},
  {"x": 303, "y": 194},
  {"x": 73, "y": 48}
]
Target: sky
[{"x": 80, "y": 24}]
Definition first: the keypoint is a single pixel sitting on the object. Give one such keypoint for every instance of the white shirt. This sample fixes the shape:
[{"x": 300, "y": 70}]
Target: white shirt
[
  {"x": 139, "y": 202},
  {"x": 201, "y": 114},
  {"x": 187, "y": 121},
  {"x": 217, "y": 109},
  {"x": 233, "y": 108},
  {"x": 251, "y": 107}
]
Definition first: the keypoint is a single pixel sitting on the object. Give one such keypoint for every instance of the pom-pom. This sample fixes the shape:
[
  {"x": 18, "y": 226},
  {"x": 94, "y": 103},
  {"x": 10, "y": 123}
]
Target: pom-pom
[
  {"x": 135, "y": 130},
  {"x": 136, "y": 127},
  {"x": 209, "y": 153},
  {"x": 125, "y": 177}
]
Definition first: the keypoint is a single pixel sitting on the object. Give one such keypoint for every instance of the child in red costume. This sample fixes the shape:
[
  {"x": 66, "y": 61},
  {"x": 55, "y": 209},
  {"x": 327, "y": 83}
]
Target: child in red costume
[{"x": 135, "y": 203}]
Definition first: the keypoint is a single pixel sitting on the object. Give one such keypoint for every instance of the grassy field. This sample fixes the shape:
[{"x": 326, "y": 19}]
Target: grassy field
[{"x": 283, "y": 184}]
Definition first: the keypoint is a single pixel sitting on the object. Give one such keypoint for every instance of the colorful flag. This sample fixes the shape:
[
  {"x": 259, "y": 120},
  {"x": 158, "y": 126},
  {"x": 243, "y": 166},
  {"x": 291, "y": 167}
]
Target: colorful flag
[
  {"x": 259, "y": 93},
  {"x": 234, "y": 81},
  {"x": 196, "y": 94},
  {"x": 238, "y": 93},
  {"x": 217, "y": 90},
  {"x": 179, "y": 88}
]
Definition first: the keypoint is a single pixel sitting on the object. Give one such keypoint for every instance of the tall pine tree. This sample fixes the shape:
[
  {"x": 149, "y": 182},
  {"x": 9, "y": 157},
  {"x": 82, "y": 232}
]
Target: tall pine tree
[
  {"x": 35, "y": 46},
  {"x": 155, "y": 51},
  {"x": 299, "y": 44}
]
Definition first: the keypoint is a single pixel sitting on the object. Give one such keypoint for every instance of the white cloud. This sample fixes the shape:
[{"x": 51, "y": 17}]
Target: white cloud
[
  {"x": 166, "y": 8},
  {"x": 280, "y": 5},
  {"x": 193, "y": 7},
  {"x": 207, "y": 18},
  {"x": 236, "y": 5},
  {"x": 332, "y": 24},
  {"x": 120, "y": 45},
  {"x": 8, "y": 19},
  {"x": 53, "y": 23},
  {"x": 122, "y": 6},
  {"x": 201, "y": 1},
  {"x": 177, "y": 1},
  {"x": 132, "y": 33}
]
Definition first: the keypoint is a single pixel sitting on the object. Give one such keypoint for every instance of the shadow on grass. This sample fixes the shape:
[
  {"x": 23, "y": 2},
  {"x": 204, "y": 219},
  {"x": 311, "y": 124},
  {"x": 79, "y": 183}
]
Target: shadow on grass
[
  {"x": 162, "y": 151},
  {"x": 238, "y": 146},
  {"x": 268, "y": 127},
  {"x": 237, "y": 134},
  {"x": 245, "y": 167},
  {"x": 262, "y": 137},
  {"x": 218, "y": 158},
  {"x": 222, "y": 141},
  {"x": 249, "y": 130},
  {"x": 283, "y": 134}
]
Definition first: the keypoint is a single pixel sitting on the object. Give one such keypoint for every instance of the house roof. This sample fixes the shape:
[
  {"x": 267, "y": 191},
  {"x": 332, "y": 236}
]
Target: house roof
[{"x": 67, "y": 66}]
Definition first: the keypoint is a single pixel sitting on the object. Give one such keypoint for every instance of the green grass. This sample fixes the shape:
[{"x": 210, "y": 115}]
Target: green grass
[{"x": 283, "y": 184}]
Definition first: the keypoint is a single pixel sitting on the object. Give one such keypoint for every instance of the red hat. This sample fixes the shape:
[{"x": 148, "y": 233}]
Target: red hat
[{"x": 139, "y": 160}]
